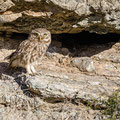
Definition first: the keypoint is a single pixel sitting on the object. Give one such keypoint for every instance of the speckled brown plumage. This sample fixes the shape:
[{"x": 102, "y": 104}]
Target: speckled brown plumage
[{"x": 31, "y": 50}]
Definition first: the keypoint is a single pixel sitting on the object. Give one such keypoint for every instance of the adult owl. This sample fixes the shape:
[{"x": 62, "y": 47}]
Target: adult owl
[{"x": 31, "y": 51}]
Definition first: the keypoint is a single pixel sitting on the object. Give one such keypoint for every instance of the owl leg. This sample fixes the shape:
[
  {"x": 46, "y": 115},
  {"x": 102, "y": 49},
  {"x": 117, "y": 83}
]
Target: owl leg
[
  {"x": 33, "y": 69},
  {"x": 12, "y": 65},
  {"x": 28, "y": 69}
]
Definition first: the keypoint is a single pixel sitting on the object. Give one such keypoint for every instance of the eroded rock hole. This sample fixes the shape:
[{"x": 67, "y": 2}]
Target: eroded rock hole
[
  {"x": 85, "y": 43},
  {"x": 19, "y": 36},
  {"x": 14, "y": 35},
  {"x": 11, "y": 40}
]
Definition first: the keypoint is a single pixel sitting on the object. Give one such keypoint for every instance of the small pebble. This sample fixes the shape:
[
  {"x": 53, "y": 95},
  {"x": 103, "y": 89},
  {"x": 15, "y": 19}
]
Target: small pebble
[
  {"x": 56, "y": 43},
  {"x": 65, "y": 51},
  {"x": 84, "y": 64}
]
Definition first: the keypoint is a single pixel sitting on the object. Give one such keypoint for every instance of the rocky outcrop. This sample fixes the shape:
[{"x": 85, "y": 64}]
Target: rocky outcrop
[
  {"x": 66, "y": 84},
  {"x": 18, "y": 102},
  {"x": 55, "y": 87},
  {"x": 60, "y": 16},
  {"x": 73, "y": 79}
]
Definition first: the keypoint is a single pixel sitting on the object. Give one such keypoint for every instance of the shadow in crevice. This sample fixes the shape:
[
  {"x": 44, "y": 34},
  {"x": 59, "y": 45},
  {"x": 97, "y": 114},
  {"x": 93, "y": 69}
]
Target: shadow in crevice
[
  {"x": 4, "y": 69},
  {"x": 15, "y": 75},
  {"x": 11, "y": 41},
  {"x": 87, "y": 44}
]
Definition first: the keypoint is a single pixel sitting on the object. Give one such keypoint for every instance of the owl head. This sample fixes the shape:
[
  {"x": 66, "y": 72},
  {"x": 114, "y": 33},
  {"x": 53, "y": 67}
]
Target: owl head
[{"x": 41, "y": 35}]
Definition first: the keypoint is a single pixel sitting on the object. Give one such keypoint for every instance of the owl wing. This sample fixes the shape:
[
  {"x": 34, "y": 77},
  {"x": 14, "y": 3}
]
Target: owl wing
[{"x": 24, "y": 48}]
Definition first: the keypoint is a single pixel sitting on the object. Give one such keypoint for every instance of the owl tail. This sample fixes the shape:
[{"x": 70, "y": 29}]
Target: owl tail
[{"x": 9, "y": 57}]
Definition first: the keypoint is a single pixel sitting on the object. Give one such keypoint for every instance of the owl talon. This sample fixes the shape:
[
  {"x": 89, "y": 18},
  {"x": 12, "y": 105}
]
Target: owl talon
[
  {"x": 30, "y": 70},
  {"x": 27, "y": 73},
  {"x": 31, "y": 74},
  {"x": 33, "y": 69},
  {"x": 34, "y": 74}
]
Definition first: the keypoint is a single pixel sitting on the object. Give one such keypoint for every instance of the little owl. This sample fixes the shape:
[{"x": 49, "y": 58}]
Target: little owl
[{"x": 31, "y": 50}]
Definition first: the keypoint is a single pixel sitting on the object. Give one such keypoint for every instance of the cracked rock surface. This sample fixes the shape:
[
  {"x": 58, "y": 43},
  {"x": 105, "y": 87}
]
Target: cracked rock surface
[
  {"x": 56, "y": 86},
  {"x": 60, "y": 16}
]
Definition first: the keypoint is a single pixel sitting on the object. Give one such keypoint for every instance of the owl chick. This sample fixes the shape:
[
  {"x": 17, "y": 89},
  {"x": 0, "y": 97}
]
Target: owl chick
[{"x": 31, "y": 50}]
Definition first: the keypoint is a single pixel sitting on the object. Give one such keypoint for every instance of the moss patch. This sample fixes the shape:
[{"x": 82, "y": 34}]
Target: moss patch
[{"x": 113, "y": 107}]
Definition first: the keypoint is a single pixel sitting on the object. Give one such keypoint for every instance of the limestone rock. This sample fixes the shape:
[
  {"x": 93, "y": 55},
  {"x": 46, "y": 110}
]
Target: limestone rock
[
  {"x": 53, "y": 87},
  {"x": 16, "y": 101},
  {"x": 9, "y": 17},
  {"x": 84, "y": 64},
  {"x": 61, "y": 16},
  {"x": 5, "y": 5}
]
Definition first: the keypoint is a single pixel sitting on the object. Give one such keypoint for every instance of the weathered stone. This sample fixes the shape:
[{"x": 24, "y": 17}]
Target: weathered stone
[
  {"x": 65, "y": 51},
  {"x": 17, "y": 103},
  {"x": 58, "y": 87},
  {"x": 9, "y": 18},
  {"x": 5, "y": 5},
  {"x": 84, "y": 64},
  {"x": 61, "y": 16}
]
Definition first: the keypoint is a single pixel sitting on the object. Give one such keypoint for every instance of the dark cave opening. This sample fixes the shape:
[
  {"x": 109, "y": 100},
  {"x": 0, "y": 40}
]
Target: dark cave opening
[
  {"x": 85, "y": 38},
  {"x": 19, "y": 36},
  {"x": 75, "y": 40}
]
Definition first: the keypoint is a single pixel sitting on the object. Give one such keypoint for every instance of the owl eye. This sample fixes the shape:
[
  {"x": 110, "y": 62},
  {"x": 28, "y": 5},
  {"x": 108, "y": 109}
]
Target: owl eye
[
  {"x": 35, "y": 34},
  {"x": 45, "y": 35}
]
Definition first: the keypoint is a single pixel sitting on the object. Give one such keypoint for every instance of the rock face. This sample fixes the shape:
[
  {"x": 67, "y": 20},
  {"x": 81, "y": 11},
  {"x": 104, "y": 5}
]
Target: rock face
[
  {"x": 91, "y": 82},
  {"x": 60, "y": 16},
  {"x": 55, "y": 87},
  {"x": 17, "y": 104}
]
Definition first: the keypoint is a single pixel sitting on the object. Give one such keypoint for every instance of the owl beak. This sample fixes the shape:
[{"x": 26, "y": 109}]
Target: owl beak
[{"x": 40, "y": 38}]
